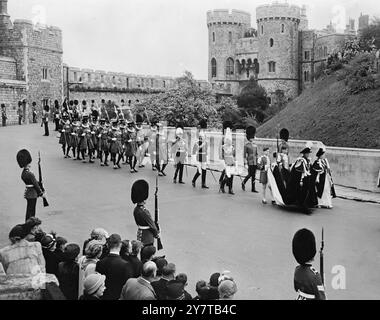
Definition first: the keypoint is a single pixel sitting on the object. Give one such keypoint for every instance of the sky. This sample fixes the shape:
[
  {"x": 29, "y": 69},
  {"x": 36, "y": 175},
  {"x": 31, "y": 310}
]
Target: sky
[{"x": 156, "y": 37}]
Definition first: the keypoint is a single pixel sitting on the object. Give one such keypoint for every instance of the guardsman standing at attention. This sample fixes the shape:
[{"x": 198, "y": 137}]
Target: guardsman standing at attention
[
  {"x": 33, "y": 189},
  {"x": 146, "y": 228},
  {"x": 307, "y": 281}
]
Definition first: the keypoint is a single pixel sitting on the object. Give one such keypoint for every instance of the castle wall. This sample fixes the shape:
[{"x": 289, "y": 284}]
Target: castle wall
[
  {"x": 113, "y": 96},
  {"x": 7, "y": 68},
  {"x": 306, "y": 58}
]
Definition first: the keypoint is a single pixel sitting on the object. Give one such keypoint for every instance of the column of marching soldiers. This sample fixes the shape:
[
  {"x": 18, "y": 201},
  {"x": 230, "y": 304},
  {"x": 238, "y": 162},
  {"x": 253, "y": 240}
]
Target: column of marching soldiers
[{"x": 90, "y": 132}]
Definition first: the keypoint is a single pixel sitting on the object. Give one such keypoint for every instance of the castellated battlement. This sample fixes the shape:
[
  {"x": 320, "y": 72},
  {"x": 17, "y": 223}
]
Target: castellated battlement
[
  {"x": 224, "y": 16},
  {"x": 278, "y": 11}
]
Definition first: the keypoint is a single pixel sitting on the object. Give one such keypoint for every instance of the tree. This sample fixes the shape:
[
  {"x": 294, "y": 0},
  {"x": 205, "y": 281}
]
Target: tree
[
  {"x": 253, "y": 101},
  {"x": 371, "y": 35},
  {"x": 188, "y": 103}
]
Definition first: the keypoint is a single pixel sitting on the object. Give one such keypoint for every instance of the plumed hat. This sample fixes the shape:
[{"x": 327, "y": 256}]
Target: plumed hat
[
  {"x": 250, "y": 132},
  {"x": 140, "y": 191},
  {"x": 228, "y": 134},
  {"x": 139, "y": 118},
  {"x": 320, "y": 152},
  {"x": 304, "y": 246},
  {"x": 307, "y": 148},
  {"x": 284, "y": 134},
  {"x": 23, "y": 158}
]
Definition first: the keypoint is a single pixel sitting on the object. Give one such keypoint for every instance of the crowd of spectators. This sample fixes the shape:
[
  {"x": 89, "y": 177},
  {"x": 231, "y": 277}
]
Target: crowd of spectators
[{"x": 106, "y": 268}]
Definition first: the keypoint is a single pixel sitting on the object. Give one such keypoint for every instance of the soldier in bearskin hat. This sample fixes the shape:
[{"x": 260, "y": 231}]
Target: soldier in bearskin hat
[
  {"x": 103, "y": 146},
  {"x": 147, "y": 230},
  {"x": 307, "y": 281},
  {"x": 200, "y": 150},
  {"x": 131, "y": 147},
  {"x": 250, "y": 158},
  {"x": 179, "y": 149},
  {"x": 65, "y": 135},
  {"x": 33, "y": 189}
]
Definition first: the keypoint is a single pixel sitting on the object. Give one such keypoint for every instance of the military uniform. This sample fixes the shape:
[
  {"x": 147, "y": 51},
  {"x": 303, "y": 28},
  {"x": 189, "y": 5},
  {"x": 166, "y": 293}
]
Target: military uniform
[
  {"x": 200, "y": 150},
  {"x": 228, "y": 155},
  {"x": 250, "y": 156},
  {"x": 179, "y": 149},
  {"x": 131, "y": 147}
]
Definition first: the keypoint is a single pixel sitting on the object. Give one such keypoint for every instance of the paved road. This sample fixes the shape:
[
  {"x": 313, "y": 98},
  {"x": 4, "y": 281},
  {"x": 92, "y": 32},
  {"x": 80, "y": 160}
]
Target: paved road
[{"x": 203, "y": 232}]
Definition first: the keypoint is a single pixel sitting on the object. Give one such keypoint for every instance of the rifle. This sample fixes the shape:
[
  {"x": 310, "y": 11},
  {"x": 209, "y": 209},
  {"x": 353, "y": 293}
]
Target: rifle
[
  {"x": 159, "y": 243},
  {"x": 45, "y": 202},
  {"x": 321, "y": 271},
  {"x": 278, "y": 146}
]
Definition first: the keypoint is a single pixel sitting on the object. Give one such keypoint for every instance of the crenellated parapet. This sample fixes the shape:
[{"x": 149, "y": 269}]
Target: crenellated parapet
[
  {"x": 224, "y": 16},
  {"x": 277, "y": 11}
]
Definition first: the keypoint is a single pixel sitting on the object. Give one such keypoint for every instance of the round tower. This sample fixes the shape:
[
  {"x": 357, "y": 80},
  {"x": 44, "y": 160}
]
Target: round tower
[
  {"x": 278, "y": 26},
  {"x": 224, "y": 30}
]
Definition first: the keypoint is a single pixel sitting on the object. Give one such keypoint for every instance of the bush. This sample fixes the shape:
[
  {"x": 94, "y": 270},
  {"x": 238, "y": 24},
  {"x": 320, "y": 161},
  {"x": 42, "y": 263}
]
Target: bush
[{"x": 357, "y": 84}]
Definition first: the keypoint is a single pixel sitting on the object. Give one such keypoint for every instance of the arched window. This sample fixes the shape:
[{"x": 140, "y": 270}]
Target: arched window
[
  {"x": 271, "y": 42},
  {"x": 272, "y": 66},
  {"x": 230, "y": 37},
  {"x": 213, "y": 37},
  {"x": 262, "y": 29},
  {"x": 229, "y": 66},
  {"x": 282, "y": 28},
  {"x": 213, "y": 68}
]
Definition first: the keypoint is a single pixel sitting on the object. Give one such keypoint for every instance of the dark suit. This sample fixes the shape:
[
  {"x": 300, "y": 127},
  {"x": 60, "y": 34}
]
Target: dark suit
[
  {"x": 160, "y": 288},
  {"x": 32, "y": 192},
  {"x": 117, "y": 272}
]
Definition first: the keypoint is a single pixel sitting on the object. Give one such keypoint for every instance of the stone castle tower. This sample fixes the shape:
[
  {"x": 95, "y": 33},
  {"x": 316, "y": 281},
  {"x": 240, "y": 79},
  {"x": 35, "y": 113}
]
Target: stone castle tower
[
  {"x": 30, "y": 62},
  {"x": 282, "y": 54}
]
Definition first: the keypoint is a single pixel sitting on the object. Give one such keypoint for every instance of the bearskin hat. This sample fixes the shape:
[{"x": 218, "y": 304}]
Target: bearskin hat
[
  {"x": 23, "y": 158},
  {"x": 304, "y": 246},
  {"x": 139, "y": 118},
  {"x": 140, "y": 191},
  {"x": 227, "y": 124},
  {"x": 284, "y": 134},
  {"x": 203, "y": 124},
  {"x": 250, "y": 132}
]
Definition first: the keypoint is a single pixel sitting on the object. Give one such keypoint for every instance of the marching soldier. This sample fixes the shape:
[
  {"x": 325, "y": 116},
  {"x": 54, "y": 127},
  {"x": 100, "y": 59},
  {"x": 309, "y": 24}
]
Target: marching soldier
[
  {"x": 179, "y": 149},
  {"x": 147, "y": 230},
  {"x": 140, "y": 141},
  {"x": 115, "y": 144},
  {"x": 63, "y": 139},
  {"x": 33, "y": 189},
  {"x": 228, "y": 155},
  {"x": 131, "y": 147},
  {"x": 82, "y": 147},
  {"x": 307, "y": 281},
  {"x": 250, "y": 158},
  {"x": 103, "y": 146},
  {"x": 200, "y": 151}
]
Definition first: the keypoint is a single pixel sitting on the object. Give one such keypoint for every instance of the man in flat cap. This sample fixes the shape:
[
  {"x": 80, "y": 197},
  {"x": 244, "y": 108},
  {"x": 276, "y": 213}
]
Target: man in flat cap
[
  {"x": 307, "y": 281},
  {"x": 33, "y": 189},
  {"x": 147, "y": 230}
]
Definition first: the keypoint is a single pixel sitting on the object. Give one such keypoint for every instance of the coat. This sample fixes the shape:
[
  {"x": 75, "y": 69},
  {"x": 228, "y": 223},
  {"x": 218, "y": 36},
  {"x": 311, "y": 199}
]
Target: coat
[
  {"x": 138, "y": 289},
  {"x": 144, "y": 219},
  {"x": 179, "y": 151},
  {"x": 160, "y": 288},
  {"x": 117, "y": 272},
  {"x": 68, "y": 275},
  {"x": 33, "y": 190}
]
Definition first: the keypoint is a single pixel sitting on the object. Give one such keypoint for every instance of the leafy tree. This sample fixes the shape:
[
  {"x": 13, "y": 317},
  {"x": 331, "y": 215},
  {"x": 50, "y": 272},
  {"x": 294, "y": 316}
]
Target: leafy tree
[{"x": 253, "y": 101}]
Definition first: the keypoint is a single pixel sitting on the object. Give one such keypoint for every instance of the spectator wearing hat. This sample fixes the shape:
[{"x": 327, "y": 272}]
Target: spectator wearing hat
[
  {"x": 307, "y": 281},
  {"x": 116, "y": 270},
  {"x": 49, "y": 243},
  {"x": 227, "y": 289},
  {"x": 87, "y": 263},
  {"x": 213, "y": 285},
  {"x": 146, "y": 228},
  {"x": 203, "y": 290},
  {"x": 129, "y": 252},
  {"x": 141, "y": 288},
  {"x": 33, "y": 189},
  {"x": 68, "y": 272},
  {"x": 94, "y": 287},
  {"x": 21, "y": 256},
  {"x": 100, "y": 235},
  {"x": 182, "y": 277},
  {"x": 160, "y": 286}
]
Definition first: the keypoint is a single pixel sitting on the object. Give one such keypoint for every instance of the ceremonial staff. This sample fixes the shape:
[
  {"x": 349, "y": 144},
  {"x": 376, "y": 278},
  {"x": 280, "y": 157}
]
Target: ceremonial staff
[
  {"x": 45, "y": 202},
  {"x": 321, "y": 259},
  {"x": 156, "y": 213}
]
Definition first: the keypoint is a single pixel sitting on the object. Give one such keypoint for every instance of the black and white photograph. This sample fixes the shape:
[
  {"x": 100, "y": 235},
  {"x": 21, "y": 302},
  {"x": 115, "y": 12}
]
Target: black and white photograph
[{"x": 200, "y": 151}]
